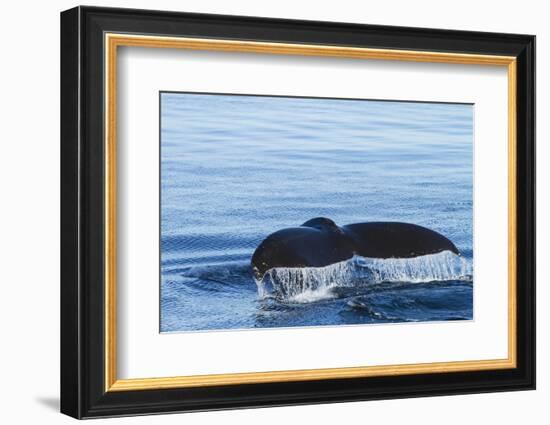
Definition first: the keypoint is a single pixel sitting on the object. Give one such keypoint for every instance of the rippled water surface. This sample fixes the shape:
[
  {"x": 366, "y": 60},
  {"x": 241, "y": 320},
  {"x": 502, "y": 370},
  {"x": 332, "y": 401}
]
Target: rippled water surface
[{"x": 236, "y": 168}]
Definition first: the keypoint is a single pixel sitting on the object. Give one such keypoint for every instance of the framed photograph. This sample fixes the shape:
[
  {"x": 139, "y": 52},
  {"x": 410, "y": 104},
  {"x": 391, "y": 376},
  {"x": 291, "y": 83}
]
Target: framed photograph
[{"x": 261, "y": 212}]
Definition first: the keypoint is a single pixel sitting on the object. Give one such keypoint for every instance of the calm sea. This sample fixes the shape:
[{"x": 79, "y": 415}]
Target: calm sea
[{"x": 236, "y": 168}]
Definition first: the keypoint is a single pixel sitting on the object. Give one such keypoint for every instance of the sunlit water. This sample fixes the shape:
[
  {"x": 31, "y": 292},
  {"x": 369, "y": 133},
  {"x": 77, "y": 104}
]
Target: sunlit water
[{"x": 236, "y": 168}]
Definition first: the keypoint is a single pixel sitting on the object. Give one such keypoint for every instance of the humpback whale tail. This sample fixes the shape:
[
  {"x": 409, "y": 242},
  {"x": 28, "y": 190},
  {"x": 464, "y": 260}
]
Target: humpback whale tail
[{"x": 319, "y": 242}]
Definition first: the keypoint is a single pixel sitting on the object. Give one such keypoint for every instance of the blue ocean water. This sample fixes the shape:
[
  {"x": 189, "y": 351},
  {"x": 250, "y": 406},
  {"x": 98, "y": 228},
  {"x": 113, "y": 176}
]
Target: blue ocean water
[{"x": 236, "y": 168}]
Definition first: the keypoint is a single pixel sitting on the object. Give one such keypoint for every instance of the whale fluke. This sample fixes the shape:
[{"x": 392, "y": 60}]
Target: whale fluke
[{"x": 320, "y": 242}]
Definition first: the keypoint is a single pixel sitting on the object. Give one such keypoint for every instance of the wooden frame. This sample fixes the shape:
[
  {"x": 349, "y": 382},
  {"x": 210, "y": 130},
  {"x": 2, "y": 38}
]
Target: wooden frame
[{"x": 90, "y": 37}]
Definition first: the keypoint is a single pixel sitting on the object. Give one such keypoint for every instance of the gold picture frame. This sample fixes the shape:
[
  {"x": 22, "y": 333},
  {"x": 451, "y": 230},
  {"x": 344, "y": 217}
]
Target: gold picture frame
[{"x": 114, "y": 41}]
